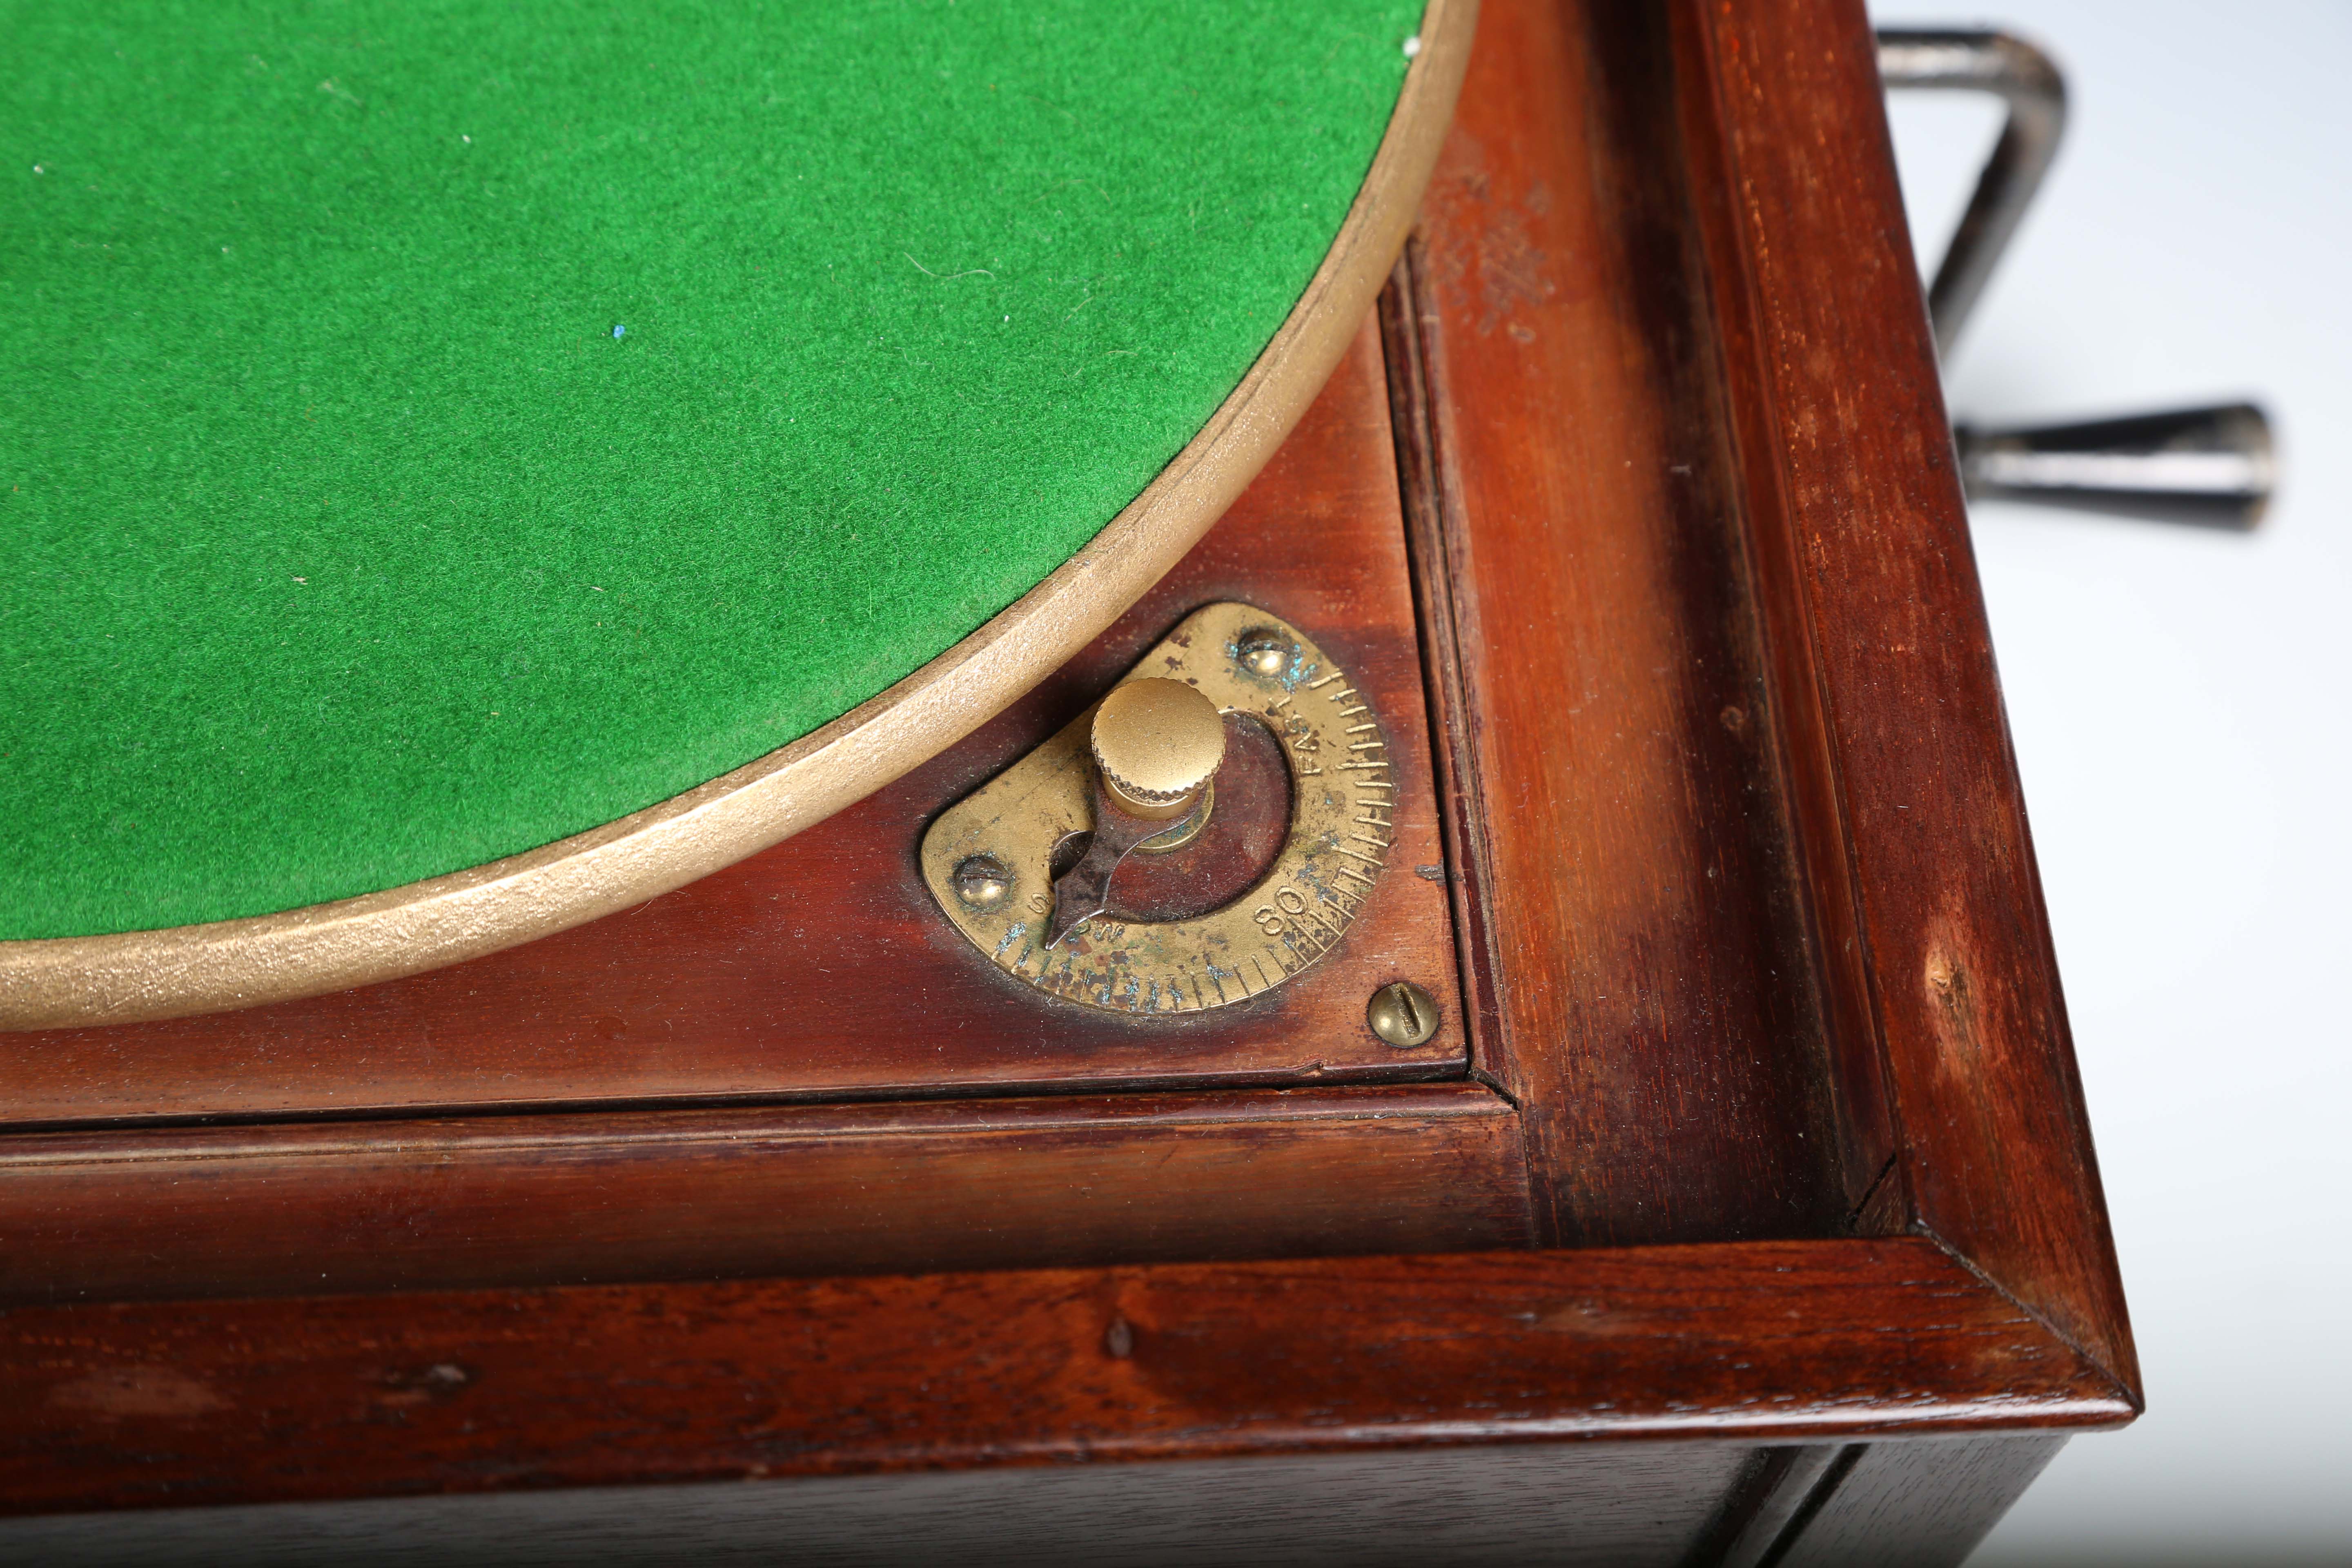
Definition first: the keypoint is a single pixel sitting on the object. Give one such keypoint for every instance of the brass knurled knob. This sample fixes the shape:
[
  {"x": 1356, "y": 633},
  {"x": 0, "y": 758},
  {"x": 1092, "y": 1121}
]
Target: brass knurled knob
[{"x": 1156, "y": 743}]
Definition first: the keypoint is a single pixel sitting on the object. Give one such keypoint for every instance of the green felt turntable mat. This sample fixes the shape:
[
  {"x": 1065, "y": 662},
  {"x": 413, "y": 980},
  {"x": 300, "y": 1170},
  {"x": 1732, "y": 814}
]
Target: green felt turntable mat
[{"x": 430, "y": 428}]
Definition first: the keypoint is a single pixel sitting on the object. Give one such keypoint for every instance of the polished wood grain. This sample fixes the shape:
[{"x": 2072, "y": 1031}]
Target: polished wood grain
[
  {"x": 820, "y": 967},
  {"x": 1920, "y": 1504},
  {"x": 1939, "y": 945},
  {"x": 1917, "y": 1502},
  {"x": 141, "y": 1404},
  {"x": 1765, "y": 1504},
  {"x": 1561, "y": 1505},
  {"x": 851, "y": 1189},
  {"x": 1655, "y": 1013}
]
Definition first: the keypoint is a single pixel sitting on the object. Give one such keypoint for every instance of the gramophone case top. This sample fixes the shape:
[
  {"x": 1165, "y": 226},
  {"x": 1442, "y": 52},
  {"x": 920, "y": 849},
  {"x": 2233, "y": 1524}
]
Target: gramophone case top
[{"x": 430, "y": 430}]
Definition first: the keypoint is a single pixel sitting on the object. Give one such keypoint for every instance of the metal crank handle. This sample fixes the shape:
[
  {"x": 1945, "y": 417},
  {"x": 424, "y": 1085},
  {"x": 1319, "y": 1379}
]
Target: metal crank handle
[{"x": 2211, "y": 467}]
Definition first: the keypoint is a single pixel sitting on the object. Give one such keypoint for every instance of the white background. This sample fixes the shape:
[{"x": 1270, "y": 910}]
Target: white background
[{"x": 2180, "y": 702}]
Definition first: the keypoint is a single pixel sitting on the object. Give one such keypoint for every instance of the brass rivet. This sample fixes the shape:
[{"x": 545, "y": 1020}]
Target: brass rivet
[
  {"x": 1263, "y": 651},
  {"x": 1403, "y": 1015},
  {"x": 982, "y": 881}
]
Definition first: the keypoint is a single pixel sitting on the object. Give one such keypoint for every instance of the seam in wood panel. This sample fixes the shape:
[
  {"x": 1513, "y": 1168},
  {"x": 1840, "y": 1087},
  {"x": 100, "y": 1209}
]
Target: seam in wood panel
[
  {"x": 1826, "y": 1488},
  {"x": 1365, "y": 1079},
  {"x": 91, "y": 1149},
  {"x": 1866, "y": 1216},
  {"x": 2123, "y": 1390},
  {"x": 1778, "y": 1480}
]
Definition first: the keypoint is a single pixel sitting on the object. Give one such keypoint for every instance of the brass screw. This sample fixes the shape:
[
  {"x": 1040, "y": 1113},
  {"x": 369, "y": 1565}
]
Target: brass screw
[
  {"x": 982, "y": 881},
  {"x": 1263, "y": 651},
  {"x": 1403, "y": 1015}
]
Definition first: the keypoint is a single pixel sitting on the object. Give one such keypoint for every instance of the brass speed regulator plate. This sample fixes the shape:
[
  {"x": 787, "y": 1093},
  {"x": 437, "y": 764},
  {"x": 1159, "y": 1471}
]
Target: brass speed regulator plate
[{"x": 1343, "y": 791}]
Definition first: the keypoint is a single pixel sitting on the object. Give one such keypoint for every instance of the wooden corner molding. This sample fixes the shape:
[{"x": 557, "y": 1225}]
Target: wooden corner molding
[{"x": 148, "y": 1404}]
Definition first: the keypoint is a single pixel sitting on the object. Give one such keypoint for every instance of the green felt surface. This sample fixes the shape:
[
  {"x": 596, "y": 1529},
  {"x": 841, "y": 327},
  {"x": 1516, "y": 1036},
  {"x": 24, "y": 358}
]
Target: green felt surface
[{"x": 346, "y": 545}]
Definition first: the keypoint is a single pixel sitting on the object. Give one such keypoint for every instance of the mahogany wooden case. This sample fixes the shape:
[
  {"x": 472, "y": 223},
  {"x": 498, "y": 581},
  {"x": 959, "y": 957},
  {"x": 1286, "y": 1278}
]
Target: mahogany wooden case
[{"x": 1742, "y": 1209}]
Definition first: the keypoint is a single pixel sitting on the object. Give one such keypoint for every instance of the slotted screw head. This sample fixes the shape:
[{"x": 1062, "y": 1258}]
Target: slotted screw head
[
  {"x": 1403, "y": 1015},
  {"x": 982, "y": 881}
]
